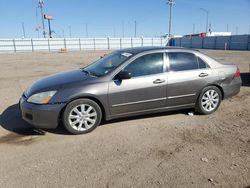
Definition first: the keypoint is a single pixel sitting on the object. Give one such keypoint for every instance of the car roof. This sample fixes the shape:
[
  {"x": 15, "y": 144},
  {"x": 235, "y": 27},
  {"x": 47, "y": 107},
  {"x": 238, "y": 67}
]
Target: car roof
[{"x": 138, "y": 50}]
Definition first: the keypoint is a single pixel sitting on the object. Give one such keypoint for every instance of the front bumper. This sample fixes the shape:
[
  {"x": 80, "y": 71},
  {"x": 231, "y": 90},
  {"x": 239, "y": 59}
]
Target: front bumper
[{"x": 40, "y": 116}]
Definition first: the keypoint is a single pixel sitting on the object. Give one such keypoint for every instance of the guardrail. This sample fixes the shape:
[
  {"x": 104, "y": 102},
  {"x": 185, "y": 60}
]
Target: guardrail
[
  {"x": 55, "y": 44},
  {"x": 234, "y": 42}
]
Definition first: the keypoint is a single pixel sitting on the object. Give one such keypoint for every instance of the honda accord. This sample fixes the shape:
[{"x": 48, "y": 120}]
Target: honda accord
[{"x": 130, "y": 82}]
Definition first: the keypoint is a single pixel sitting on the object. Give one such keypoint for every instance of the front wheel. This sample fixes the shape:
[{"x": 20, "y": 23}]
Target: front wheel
[
  {"x": 82, "y": 116},
  {"x": 209, "y": 100}
]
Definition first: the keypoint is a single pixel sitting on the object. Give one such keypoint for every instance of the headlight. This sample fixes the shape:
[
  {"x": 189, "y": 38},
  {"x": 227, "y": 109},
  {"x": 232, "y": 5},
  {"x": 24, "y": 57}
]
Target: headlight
[{"x": 41, "y": 98}]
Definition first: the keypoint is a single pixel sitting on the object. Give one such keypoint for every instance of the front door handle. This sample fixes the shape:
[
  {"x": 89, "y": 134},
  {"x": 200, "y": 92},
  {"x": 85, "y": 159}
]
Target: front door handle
[
  {"x": 159, "y": 81},
  {"x": 203, "y": 74}
]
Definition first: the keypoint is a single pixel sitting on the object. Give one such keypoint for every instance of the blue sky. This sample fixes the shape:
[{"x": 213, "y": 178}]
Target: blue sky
[{"x": 106, "y": 17}]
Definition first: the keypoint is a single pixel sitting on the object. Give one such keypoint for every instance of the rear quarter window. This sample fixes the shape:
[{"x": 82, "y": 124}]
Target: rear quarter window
[{"x": 202, "y": 64}]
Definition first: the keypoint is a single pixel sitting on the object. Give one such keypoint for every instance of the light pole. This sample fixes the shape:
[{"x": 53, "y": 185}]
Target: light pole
[
  {"x": 206, "y": 11},
  {"x": 40, "y": 5},
  {"x": 24, "y": 35},
  {"x": 171, "y": 3},
  {"x": 135, "y": 29}
]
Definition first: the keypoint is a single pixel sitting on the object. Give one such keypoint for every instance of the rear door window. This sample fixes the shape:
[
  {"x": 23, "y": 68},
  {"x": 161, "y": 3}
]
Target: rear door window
[{"x": 182, "y": 61}]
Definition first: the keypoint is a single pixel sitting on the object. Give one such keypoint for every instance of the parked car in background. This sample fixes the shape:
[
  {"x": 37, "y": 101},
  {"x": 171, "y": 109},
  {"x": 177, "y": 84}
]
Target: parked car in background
[{"x": 130, "y": 82}]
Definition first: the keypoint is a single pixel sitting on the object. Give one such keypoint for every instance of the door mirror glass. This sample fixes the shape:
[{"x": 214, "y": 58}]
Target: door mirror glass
[{"x": 123, "y": 75}]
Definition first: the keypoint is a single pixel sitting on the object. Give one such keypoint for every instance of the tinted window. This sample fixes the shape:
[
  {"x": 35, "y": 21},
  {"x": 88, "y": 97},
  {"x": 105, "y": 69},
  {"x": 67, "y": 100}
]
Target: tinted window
[
  {"x": 146, "y": 65},
  {"x": 202, "y": 64},
  {"x": 180, "y": 61},
  {"x": 104, "y": 65}
]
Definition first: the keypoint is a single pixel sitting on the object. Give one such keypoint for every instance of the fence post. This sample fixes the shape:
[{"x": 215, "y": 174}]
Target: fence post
[
  {"x": 202, "y": 42},
  {"x": 65, "y": 45},
  {"x": 131, "y": 42},
  {"x": 32, "y": 46},
  {"x": 248, "y": 44},
  {"x": 215, "y": 41},
  {"x": 142, "y": 41},
  {"x": 14, "y": 45},
  {"x": 48, "y": 45},
  {"x": 94, "y": 43},
  {"x": 230, "y": 39},
  {"x": 108, "y": 43},
  {"x": 80, "y": 46},
  {"x": 120, "y": 43}
]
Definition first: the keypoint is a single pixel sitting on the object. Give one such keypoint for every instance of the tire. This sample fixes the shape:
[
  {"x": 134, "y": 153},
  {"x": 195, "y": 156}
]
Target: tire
[
  {"x": 82, "y": 116},
  {"x": 209, "y": 100}
]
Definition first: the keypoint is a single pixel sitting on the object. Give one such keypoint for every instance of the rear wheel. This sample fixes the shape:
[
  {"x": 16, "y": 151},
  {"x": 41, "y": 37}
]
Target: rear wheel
[
  {"x": 82, "y": 116},
  {"x": 209, "y": 100}
]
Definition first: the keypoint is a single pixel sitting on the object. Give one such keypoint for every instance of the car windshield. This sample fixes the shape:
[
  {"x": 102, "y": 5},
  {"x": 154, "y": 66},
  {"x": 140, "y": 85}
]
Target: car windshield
[{"x": 106, "y": 64}]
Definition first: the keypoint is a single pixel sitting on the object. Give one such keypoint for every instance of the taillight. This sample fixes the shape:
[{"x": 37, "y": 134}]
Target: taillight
[{"x": 237, "y": 73}]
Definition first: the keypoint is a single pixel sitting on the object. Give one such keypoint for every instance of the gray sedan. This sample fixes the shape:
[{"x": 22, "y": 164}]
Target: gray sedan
[{"x": 130, "y": 82}]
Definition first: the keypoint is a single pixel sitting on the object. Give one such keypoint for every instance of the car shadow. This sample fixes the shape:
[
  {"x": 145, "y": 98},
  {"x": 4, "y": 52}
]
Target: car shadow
[
  {"x": 245, "y": 77},
  {"x": 12, "y": 121}
]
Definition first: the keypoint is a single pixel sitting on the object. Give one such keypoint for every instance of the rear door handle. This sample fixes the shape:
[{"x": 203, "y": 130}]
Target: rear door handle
[
  {"x": 159, "y": 81},
  {"x": 203, "y": 74}
]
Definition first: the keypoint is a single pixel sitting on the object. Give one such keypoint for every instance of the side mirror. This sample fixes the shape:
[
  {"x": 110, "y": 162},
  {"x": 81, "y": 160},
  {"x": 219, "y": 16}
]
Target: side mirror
[{"x": 123, "y": 75}]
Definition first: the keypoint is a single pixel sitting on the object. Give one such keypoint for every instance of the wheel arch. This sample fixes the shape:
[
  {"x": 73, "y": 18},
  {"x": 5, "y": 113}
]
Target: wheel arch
[
  {"x": 104, "y": 115},
  {"x": 220, "y": 88}
]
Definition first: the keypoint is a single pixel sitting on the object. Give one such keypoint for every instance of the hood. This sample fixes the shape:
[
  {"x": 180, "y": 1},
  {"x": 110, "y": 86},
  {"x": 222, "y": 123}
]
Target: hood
[{"x": 57, "y": 81}]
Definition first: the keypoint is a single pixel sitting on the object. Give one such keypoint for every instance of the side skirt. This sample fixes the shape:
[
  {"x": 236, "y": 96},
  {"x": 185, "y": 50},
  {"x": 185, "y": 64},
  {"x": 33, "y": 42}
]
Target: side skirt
[{"x": 151, "y": 111}]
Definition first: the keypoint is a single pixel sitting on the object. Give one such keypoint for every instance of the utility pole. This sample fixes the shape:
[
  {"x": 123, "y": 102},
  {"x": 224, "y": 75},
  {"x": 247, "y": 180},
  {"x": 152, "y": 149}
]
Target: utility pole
[
  {"x": 135, "y": 28},
  {"x": 70, "y": 35},
  {"x": 24, "y": 36},
  {"x": 87, "y": 31},
  {"x": 114, "y": 31},
  {"x": 171, "y": 3},
  {"x": 123, "y": 29},
  {"x": 63, "y": 33},
  {"x": 206, "y": 11},
  {"x": 40, "y": 5}
]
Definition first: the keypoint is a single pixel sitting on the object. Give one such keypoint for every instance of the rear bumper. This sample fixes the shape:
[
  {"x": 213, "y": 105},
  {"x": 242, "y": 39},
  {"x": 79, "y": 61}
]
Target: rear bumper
[
  {"x": 40, "y": 116},
  {"x": 233, "y": 88}
]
